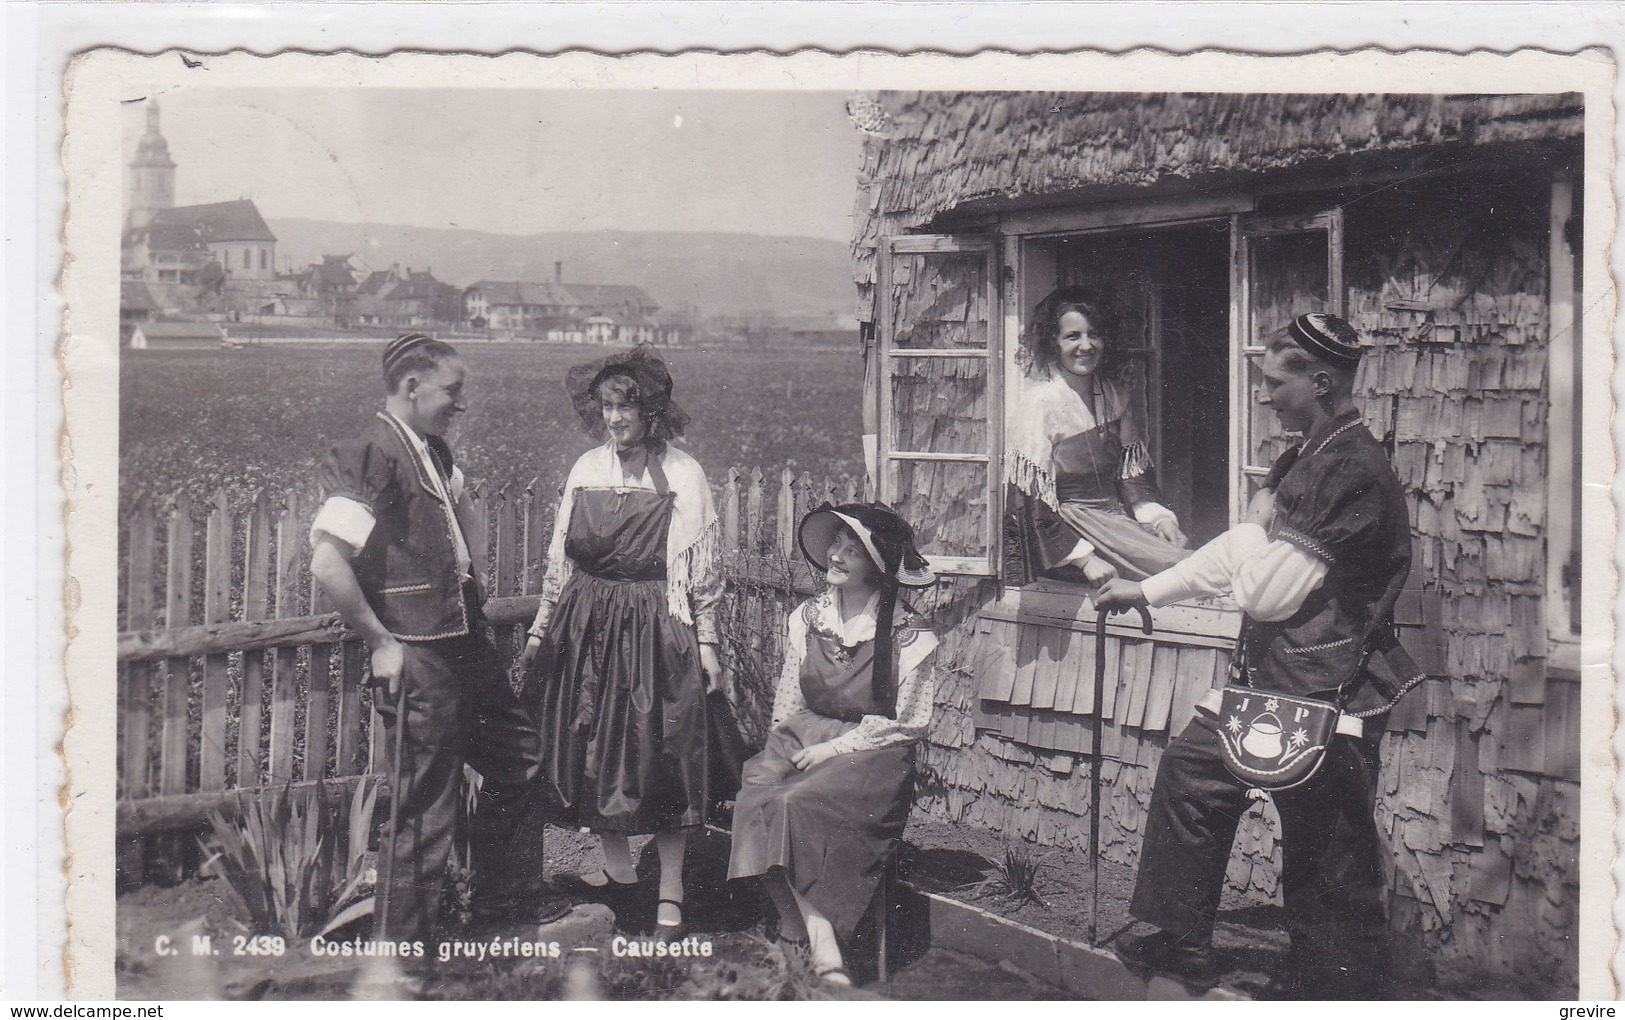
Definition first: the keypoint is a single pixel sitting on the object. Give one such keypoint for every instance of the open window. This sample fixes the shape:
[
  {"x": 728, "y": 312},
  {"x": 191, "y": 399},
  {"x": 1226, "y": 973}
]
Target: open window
[
  {"x": 938, "y": 385},
  {"x": 1170, "y": 285},
  {"x": 1198, "y": 299},
  {"x": 1283, "y": 266}
]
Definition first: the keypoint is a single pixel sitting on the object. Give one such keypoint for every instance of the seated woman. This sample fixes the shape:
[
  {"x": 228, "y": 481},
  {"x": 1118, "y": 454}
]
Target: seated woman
[
  {"x": 823, "y": 806},
  {"x": 1083, "y": 503}
]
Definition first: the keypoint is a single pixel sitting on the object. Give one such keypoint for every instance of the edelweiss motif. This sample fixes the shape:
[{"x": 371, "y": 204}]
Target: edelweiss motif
[
  {"x": 837, "y": 651},
  {"x": 1272, "y": 705},
  {"x": 841, "y": 653}
]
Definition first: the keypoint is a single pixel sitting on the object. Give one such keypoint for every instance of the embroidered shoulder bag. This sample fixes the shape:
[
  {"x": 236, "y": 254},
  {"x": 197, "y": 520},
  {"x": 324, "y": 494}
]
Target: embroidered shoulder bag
[{"x": 1275, "y": 741}]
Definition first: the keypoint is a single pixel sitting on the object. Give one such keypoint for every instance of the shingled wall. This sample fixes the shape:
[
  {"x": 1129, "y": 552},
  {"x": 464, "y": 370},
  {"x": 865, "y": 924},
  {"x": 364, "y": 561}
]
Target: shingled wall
[
  {"x": 1447, "y": 276},
  {"x": 1481, "y": 767}
]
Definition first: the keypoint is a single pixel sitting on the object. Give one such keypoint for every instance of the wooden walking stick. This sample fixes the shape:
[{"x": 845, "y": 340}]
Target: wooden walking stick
[
  {"x": 397, "y": 794},
  {"x": 1100, "y": 760}
]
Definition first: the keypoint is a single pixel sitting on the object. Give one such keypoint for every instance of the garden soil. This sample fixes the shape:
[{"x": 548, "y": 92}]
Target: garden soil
[
  {"x": 746, "y": 963},
  {"x": 958, "y": 861}
]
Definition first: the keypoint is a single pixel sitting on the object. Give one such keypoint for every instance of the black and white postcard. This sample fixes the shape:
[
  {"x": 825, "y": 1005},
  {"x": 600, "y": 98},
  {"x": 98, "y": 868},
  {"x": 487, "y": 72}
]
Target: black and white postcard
[{"x": 828, "y": 526}]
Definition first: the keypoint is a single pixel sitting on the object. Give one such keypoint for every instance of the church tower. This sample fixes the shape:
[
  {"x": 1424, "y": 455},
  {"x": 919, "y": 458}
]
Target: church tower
[{"x": 152, "y": 174}]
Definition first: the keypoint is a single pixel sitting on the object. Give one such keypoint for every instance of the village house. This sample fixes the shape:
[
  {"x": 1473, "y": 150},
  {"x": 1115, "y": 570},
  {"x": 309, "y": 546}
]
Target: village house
[
  {"x": 519, "y": 307},
  {"x": 136, "y": 302},
  {"x": 175, "y": 335},
  {"x": 1446, "y": 229},
  {"x": 332, "y": 277},
  {"x": 326, "y": 289},
  {"x": 565, "y": 313},
  {"x": 136, "y": 305},
  {"x": 396, "y": 297},
  {"x": 167, "y": 254}
]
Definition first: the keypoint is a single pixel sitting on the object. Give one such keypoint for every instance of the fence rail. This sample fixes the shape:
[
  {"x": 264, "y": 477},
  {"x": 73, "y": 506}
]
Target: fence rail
[{"x": 235, "y": 673}]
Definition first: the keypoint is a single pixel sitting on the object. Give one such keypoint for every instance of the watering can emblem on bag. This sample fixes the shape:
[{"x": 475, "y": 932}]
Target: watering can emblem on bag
[{"x": 1274, "y": 741}]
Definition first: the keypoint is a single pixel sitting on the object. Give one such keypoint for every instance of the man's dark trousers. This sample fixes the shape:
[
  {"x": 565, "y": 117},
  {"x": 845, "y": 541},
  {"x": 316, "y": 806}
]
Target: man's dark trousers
[
  {"x": 461, "y": 709},
  {"x": 1331, "y": 874}
]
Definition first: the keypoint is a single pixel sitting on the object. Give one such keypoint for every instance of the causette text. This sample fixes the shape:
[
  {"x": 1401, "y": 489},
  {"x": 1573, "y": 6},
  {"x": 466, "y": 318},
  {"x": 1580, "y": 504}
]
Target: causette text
[
  {"x": 507, "y": 949},
  {"x": 620, "y": 945}
]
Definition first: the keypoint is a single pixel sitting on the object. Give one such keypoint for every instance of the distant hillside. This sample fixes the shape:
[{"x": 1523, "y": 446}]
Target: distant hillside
[{"x": 726, "y": 274}]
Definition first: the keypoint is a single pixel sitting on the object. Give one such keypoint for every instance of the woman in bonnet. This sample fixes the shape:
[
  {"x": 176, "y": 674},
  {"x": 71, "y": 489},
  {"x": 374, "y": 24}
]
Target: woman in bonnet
[
  {"x": 625, "y": 639},
  {"x": 823, "y": 806}
]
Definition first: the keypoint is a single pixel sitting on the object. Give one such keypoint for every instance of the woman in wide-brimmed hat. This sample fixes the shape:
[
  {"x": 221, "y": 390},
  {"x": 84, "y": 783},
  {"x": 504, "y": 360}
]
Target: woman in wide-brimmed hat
[
  {"x": 626, "y": 636},
  {"x": 824, "y": 804}
]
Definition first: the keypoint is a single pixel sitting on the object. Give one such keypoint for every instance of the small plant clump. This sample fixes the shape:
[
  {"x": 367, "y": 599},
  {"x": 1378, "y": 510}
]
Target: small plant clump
[
  {"x": 296, "y": 861},
  {"x": 1015, "y": 877}
]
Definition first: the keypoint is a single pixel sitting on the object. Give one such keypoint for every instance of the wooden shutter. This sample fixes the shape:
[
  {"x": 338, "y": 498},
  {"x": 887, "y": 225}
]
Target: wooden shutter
[
  {"x": 1283, "y": 266},
  {"x": 939, "y": 380}
]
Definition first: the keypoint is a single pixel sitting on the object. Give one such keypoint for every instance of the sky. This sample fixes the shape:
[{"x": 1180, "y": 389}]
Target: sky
[{"x": 518, "y": 161}]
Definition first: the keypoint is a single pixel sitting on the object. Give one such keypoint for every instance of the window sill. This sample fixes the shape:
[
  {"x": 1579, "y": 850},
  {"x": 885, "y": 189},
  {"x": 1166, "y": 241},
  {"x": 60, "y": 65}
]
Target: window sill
[{"x": 1209, "y": 623}]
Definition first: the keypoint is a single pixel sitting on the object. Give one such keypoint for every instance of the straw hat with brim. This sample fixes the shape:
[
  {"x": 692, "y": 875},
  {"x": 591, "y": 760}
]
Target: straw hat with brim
[{"x": 885, "y": 536}]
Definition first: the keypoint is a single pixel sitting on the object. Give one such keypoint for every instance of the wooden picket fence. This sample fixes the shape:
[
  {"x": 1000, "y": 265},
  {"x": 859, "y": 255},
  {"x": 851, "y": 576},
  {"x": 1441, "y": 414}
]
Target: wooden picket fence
[{"x": 234, "y": 672}]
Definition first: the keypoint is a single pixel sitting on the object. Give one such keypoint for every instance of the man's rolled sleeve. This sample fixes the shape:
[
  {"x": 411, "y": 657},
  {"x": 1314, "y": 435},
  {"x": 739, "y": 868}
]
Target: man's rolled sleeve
[
  {"x": 1271, "y": 584},
  {"x": 348, "y": 520},
  {"x": 1210, "y": 570}
]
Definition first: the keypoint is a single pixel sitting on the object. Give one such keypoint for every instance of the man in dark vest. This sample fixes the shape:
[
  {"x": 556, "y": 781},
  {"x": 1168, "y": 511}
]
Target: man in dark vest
[
  {"x": 1315, "y": 566},
  {"x": 392, "y": 551}
]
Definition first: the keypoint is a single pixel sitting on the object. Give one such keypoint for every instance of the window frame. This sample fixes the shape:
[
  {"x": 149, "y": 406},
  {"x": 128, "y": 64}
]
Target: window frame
[
  {"x": 1244, "y": 230},
  {"x": 1208, "y": 617},
  {"x": 1564, "y": 386},
  {"x": 1004, "y": 246},
  {"x": 886, "y": 355},
  {"x": 1024, "y": 233}
]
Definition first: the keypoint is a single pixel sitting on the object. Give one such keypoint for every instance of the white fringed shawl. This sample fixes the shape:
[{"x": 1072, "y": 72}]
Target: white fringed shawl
[
  {"x": 1047, "y": 410},
  {"x": 693, "y": 541}
]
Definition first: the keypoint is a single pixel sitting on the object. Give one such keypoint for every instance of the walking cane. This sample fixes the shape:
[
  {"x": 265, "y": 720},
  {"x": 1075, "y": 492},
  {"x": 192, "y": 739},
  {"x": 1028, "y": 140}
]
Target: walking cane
[
  {"x": 1100, "y": 760},
  {"x": 397, "y": 793}
]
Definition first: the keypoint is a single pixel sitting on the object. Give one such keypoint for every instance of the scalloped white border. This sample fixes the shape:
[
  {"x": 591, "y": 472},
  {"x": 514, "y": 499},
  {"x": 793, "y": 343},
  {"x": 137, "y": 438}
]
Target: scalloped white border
[{"x": 88, "y": 349}]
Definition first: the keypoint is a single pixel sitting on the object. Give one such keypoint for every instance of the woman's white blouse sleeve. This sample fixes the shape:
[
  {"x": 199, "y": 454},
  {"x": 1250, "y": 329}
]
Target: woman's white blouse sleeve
[
  {"x": 916, "y": 697},
  {"x": 558, "y": 567},
  {"x": 787, "y": 699}
]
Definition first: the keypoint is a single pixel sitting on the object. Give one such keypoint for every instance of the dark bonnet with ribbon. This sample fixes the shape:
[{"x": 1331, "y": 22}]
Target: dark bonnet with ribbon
[
  {"x": 664, "y": 419},
  {"x": 889, "y": 541}
]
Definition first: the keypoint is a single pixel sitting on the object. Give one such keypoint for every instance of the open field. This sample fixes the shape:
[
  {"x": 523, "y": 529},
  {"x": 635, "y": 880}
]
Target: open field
[{"x": 262, "y": 415}]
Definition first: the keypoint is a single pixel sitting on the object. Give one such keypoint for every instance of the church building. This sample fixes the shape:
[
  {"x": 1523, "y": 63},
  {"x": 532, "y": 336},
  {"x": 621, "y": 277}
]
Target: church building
[{"x": 192, "y": 244}]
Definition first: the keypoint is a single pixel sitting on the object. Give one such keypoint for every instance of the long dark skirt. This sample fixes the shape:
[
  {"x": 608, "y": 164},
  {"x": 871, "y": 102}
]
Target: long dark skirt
[
  {"x": 619, "y": 698},
  {"x": 829, "y": 827}
]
